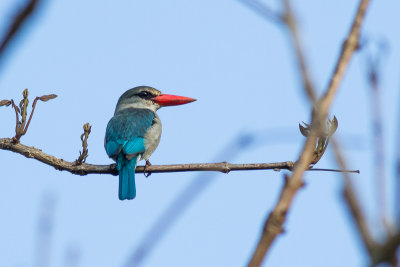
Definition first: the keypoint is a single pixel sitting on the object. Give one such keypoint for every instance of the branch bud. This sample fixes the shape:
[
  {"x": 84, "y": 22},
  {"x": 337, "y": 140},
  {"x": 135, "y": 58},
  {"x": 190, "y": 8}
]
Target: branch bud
[
  {"x": 5, "y": 102},
  {"x": 46, "y": 98}
]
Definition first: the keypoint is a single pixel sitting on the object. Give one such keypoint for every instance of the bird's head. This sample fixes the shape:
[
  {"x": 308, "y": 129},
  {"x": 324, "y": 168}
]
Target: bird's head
[{"x": 150, "y": 98}]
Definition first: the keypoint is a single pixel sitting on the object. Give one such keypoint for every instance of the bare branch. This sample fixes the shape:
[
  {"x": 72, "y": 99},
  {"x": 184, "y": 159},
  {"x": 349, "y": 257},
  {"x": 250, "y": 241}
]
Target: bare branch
[
  {"x": 349, "y": 46},
  {"x": 386, "y": 253},
  {"x": 377, "y": 252},
  {"x": 84, "y": 168},
  {"x": 18, "y": 21},
  {"x": 273, "y": 225}
]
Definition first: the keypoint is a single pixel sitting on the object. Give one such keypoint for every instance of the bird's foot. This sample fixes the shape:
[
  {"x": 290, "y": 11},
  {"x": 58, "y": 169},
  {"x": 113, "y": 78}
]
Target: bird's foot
[{"x": 146, "y": 173}]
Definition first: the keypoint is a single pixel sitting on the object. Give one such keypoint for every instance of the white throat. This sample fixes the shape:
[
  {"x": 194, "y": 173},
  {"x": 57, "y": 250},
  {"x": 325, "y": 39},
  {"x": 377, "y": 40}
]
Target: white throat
[{"x": 123, "y": 106}]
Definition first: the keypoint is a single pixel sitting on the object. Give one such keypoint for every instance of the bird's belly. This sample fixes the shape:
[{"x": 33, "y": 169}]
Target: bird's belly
[{"x": 152, "y": 139}]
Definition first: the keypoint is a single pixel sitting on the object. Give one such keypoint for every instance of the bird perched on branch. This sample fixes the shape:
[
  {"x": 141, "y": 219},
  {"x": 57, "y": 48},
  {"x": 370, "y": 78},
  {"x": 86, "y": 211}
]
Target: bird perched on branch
[{"x": 134, "y": 132}]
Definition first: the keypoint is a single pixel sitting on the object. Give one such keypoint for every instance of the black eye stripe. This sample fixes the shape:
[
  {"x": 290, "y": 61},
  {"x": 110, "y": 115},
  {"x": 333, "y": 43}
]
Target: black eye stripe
[{"x": 145, "y": 95}]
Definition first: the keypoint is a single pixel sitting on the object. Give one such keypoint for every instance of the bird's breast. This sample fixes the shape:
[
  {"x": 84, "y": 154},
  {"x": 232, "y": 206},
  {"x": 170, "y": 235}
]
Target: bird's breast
[{"x": 152, "y": 137}]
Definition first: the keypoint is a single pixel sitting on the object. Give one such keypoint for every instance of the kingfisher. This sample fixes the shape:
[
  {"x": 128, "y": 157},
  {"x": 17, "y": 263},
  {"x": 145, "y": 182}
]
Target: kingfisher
[{"x": 134, "y": 132}]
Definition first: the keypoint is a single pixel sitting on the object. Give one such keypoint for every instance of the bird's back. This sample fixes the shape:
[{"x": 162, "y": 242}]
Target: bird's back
[{"x": 128, "y": 125}]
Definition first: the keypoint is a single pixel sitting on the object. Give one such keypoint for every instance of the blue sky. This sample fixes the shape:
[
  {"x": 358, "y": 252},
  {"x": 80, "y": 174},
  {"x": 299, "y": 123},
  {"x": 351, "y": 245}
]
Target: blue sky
[{"x": 241, "y": 69}]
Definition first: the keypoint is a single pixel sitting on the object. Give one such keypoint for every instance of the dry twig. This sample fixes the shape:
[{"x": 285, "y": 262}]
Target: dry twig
[
  {"x": 354, "y": 205},
  {"x": 84, "y": 137},
  {"x": 21, "y": 126}
]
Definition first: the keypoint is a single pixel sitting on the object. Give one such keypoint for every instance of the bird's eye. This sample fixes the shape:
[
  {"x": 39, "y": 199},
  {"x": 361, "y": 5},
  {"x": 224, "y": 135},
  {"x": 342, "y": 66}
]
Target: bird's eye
[{"x": 145, "y": 95}]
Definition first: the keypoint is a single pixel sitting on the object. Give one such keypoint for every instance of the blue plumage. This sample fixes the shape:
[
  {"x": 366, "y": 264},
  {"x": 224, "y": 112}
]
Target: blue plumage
[
  {"x": 126, "y": 168},
  {"x": 125, "y": 143},
  {"x": 135, "y": 131}
]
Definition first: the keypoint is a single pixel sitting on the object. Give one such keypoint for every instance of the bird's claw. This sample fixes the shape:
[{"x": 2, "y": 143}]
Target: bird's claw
[{"x": 146, "y": 173}]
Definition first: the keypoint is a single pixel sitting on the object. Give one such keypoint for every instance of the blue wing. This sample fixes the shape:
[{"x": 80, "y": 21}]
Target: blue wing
[
  {"x": 124, "y": 142},
  {"x": 125, "y": 131}
]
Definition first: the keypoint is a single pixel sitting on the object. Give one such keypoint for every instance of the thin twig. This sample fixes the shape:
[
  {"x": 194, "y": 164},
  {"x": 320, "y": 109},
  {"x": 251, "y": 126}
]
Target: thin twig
[
  {"x": 333, "y": 170},
  {"x": 84, "y": 137},
  {"x": 397, "y": 164},
  {"x": 16, "y": 116},
  {"x": 353, "y": 203},
  {"x": 30, "y": 117},
  {"x": 23, "y": 105},
  {"x": 291, "y": 23},
  {"x": 378, "y": 144}
]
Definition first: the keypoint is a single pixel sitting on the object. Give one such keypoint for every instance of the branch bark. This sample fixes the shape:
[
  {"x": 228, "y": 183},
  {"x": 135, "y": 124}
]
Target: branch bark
[{"x": 84, "y": 168}]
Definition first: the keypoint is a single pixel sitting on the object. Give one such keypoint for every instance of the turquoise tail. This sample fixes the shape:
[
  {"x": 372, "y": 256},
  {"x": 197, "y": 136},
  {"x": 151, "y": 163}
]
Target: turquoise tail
[{"x": 126, "y": 168}]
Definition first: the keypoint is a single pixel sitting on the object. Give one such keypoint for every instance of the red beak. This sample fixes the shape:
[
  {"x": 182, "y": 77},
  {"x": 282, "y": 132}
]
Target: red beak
[{"x": 172, "y": 100}]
